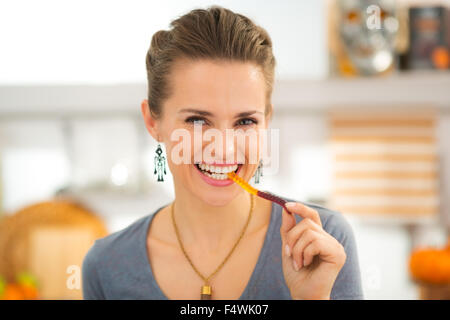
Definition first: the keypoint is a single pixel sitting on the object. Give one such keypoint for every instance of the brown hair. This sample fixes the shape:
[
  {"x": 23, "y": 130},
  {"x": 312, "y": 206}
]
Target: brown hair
[{"x": 214, "y": 33}]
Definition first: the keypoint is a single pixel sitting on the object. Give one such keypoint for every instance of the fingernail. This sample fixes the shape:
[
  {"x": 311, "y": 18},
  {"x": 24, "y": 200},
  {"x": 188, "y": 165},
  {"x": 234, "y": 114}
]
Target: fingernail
[
  {"x": 295, "y": 265},
  {"x": 290, "y": 204},
  {"x": 287, "y": 250}
]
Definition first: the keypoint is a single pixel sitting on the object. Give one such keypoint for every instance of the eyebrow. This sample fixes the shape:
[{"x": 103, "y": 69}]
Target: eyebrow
[{"x": 207, "y": 113}]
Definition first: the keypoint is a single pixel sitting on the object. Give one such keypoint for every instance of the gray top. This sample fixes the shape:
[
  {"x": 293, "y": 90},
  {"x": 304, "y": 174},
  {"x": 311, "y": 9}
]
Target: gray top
[{"x": 117, "y": 266}]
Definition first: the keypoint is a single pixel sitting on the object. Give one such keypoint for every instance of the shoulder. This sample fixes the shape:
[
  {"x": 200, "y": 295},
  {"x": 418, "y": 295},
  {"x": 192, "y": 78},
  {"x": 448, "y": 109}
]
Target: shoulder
[
  {"x": 115, "y": 247},
  {"x": 108, "y": 257},
  {"x": 122, "y": 238},
  {"x": 333, "y": 221}
]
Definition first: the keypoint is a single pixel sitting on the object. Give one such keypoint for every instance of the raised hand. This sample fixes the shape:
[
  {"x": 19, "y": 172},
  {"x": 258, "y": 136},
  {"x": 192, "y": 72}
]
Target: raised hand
[{"x": 311, "y": 257}]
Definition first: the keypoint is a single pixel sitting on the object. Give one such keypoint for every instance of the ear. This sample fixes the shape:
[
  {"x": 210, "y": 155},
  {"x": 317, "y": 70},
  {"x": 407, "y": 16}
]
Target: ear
[{"x": 150, "y": 122}]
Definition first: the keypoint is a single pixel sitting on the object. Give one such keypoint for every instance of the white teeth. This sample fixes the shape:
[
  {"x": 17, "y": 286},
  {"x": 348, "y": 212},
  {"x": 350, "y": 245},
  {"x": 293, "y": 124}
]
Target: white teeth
[
  {"x": 216, "y": 176},
  {"x": 217, "y": 169}
]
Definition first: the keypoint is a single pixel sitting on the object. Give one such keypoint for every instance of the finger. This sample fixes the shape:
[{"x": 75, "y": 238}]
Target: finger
[
  {"x": 296, "y": 232},
  {"x": 304, "y": 211},
  {"x": 312, "y": 249},
  {"x": 287, "y": 223},
  {"x": 329, "y": 249},
  {"x": 297, "y": 252}
]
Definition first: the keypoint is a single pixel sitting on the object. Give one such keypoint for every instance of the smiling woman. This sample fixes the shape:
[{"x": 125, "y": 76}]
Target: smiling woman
[{"x": 214, "y": 71}]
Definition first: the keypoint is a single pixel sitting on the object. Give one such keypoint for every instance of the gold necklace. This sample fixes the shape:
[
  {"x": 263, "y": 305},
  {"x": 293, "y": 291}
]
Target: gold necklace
[{"x": 206, "y": 290}]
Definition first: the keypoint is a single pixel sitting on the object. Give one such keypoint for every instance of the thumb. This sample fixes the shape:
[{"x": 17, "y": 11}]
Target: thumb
[{"x": 287, "y": 223}]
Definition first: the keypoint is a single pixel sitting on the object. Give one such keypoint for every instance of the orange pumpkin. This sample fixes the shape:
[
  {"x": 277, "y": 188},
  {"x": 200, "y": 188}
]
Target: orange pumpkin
[
  {"x": 12, "y": 292},
  {"x": 431, "y": 265},
  {"x": 28, "y": 285},
  {"x": 29, "y": 292}
]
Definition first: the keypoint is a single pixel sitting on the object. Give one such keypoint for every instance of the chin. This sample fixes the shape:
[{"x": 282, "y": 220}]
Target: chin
[{"x": 218, "y": 199}]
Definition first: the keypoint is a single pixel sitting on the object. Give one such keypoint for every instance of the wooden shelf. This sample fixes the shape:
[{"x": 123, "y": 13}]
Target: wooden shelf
[
  {"x": 430, "y": 88},
  {"x": 384, "y": 221},
  {"x": 410, "y": 88}
]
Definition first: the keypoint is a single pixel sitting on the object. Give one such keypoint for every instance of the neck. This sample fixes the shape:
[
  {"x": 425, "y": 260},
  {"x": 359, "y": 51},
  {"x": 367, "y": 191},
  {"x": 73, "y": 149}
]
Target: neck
[{"x": 209, "y": 227}]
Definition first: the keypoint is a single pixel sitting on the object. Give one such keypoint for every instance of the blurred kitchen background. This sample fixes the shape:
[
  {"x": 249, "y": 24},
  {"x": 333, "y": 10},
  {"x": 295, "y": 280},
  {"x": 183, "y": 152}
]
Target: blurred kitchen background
[{"x": 362, "y": 101}]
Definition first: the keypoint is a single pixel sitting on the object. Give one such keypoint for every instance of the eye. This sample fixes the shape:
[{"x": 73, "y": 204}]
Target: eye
[
  {"x": 247, "y": 122},
  {"x": 196, "y": 120}
]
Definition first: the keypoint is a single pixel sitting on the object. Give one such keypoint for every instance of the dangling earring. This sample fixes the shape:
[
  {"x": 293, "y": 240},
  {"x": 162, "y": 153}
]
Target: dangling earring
[
  {"x": 160, "y": 164},
  {"x": 259, "y": 172}
]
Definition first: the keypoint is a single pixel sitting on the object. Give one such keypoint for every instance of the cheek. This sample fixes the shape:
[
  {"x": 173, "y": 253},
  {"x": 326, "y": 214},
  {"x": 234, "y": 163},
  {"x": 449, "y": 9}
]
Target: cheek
[
  {"x": 177, "y": 164},
  {"x": 179, "y": 154},
  {"x": 197, "y": 146},
  {"x": 252, "y": 148},
  {"x": 180, "y": 146}
]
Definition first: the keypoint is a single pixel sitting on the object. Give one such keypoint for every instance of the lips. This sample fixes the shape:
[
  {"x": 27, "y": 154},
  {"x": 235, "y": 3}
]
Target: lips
[
  {"x": 217, "y": 172},
  {"x": 214, "y": 178}
]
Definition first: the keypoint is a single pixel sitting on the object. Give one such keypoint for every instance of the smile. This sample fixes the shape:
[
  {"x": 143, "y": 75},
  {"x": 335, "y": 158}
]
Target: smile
[{"x": 217, "y": 172}]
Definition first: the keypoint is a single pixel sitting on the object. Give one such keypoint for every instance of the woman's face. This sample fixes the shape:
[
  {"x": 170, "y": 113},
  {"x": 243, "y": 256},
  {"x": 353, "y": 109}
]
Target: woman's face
[{"x": 220, "y": 96}]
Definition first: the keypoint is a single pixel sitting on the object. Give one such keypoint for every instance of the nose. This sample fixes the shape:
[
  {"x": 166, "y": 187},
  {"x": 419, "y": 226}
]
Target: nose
[
  {"x": 225, "y": 151},
  {"x": 229, "y": 146},
  {"x": 234, "y": 147}
]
